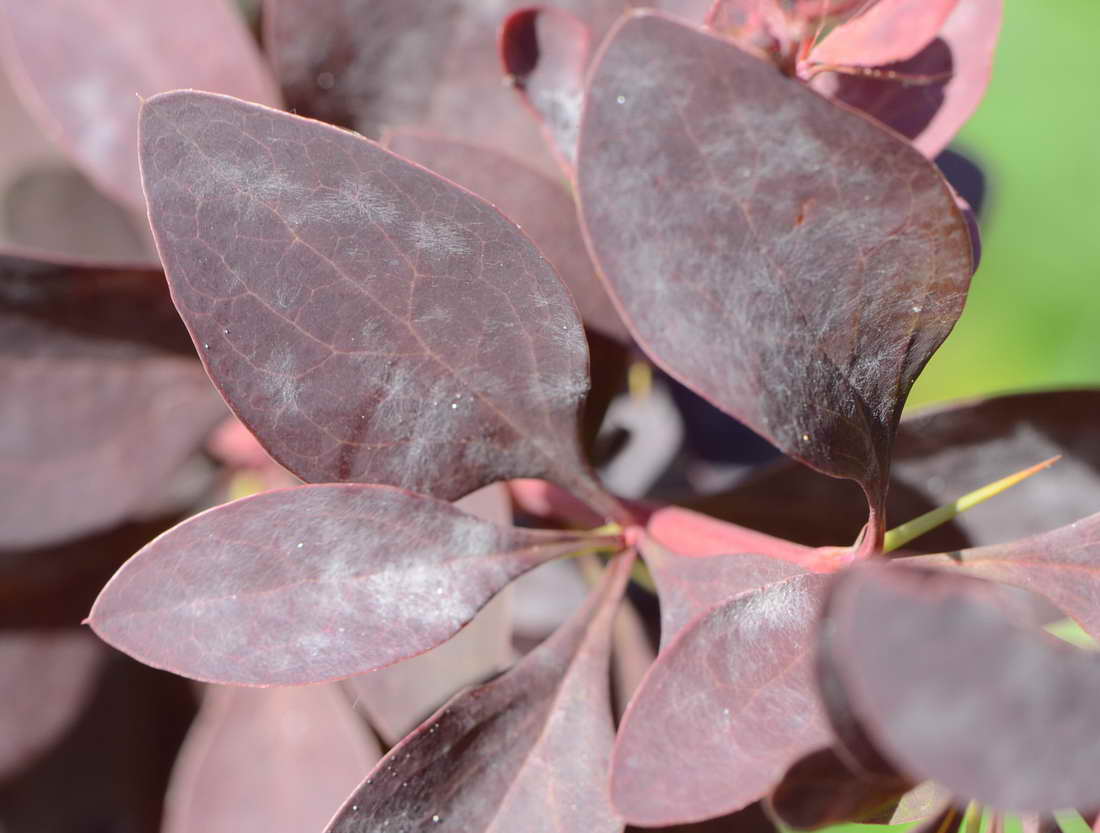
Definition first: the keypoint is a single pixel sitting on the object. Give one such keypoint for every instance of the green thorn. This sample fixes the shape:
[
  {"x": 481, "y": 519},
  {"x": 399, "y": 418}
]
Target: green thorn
[{"x": 901, "y": 535}]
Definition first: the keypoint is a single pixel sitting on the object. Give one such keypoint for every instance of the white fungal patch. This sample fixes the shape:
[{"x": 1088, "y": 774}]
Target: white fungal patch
[
  {"x": 353, "y": 203},
  {"x": 438, "y": 238}
]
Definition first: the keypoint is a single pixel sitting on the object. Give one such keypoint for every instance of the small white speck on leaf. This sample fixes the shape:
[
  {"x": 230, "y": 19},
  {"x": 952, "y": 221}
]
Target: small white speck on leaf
[{"x": 621, "y": 99}]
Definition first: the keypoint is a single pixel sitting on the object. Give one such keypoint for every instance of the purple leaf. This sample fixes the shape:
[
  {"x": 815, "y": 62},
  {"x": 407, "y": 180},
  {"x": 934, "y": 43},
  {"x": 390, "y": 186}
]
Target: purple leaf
[
  {"x": 931, "y": 113},
  {"x": 891, "y": 30},
  {"x": 1063, "y": 565},
  {"x": 727, "y": 707},
  {"x": 365, "y": 575},
  {"x": 540, "y": 205},
  {"x": 273, "y": 760},
  {"x": 545, "y": 52},
  {"x": 820, "y": 790},
  {"x": 528, "y": 751},
  {"x": 102, "y": 401},
  {"x": 103, "y": 55},
  {"x": 46, "y": 679},
  {"x": 690, "y": 585},
  {"x": 926, "y": 664},
  {"x": 366, "y": 319},
  {"x": 727, "y": 241}
]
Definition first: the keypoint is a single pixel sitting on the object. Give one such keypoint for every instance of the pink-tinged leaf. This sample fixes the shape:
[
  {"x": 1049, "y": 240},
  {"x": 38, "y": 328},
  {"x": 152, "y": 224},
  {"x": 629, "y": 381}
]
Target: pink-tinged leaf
[
  {"x": 528, "y": 751},
  {"x": 694, "y": 534},
  {"x": 742, "y": 209},
  {"x": 46, "y": 679},
  {"x": 270, "y": 760},
  {"x": 1063, "y": 565},
  {"x": 727, "y": 707},
  {"x": 946, "y": 688},
  {"x": 545, "y": 52},
  {"x": 690, "y": 584},
  {"x": 366, "y": 319},
  {"x": 102, "y": 399},
  {"x": 539, "y": 204},
  {"x": 821, "y": 790},
  {"x": 930, "y": 113},
  {"x": 632, "y": 653},
  {"x": 889, "y": 31},
  {"x": 366, "y": 575},
  {"x": 82, "y": 66},
  {"x": 397, "y": 698}
]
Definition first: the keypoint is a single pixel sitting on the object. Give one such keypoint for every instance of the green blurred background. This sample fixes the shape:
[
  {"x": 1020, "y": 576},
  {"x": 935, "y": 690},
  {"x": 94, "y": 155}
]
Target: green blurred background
[{"x": 1033, "y": 316}]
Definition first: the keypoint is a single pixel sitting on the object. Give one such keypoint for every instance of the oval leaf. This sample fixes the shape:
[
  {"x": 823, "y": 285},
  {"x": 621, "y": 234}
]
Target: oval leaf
[
  {"x": 46, "y": 679},
  {"x": 948, "y": 689},
  {"x": 726, "y": 709},
  {"x": 273, "y": 760},
  {"x": 756, "y": 253},
  {"x": 368, "y": 320},
  {"x": 528, "y": 751},
  {"x": 313, "y": 583},
  {"x": 101, "y": 56},
  {"x": 102, "y": 399}
]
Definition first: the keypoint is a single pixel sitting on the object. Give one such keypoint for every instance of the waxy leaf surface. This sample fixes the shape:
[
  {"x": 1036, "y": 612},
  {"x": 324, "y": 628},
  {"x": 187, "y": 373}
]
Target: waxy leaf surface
[
  {"x": 891, "y": 30},
  {"x": 541, "y": 205},
  {"x": 313, "y": 583},
  {"x": 1063, "y": 565},
  {"x": 688, "y": 585},
  {"x": 368, "y": 320},
  {"x": 729, "y": 705},
  {"x": 528, "y": 751},
  {"x": 46, "y": 679},
  {"x": 82, "y": 65},
  {"x": 946, "y": 688},
  {"x": 951, "y": 75},
  {"x": 785, "y": 258},
  {"x": 268, "y": 760},
  {"x": 545, "y": 51},
  {"x": 102, "y": 399}
]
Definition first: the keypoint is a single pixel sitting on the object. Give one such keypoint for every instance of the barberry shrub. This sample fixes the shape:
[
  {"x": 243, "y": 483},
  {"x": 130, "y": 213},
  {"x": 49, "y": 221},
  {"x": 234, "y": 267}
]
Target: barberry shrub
[{"x": 750, "y": 203}]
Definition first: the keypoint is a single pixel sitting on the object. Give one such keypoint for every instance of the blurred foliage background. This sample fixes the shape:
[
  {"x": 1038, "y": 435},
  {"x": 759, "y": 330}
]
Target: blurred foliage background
[{"x": 1033, "y": 316}]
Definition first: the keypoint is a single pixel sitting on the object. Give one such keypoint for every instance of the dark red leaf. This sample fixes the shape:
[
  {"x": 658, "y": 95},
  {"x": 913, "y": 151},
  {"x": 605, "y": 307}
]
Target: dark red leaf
[
  {"x": 742, "y": 211},
  {"x": 46, "y": 679},
  {"x": 271, "y": 760},
  {"x": 368, "y": 320},
  {"x": 946, "y": 688},
  {"x": 727, "y": 707},
  {"x": 931, "y": 112},
  {"x": 528, "y": 751},
  {"x": 81, "y": 67},
  {"x": 102, "y": 400},
  {"x": 889, "y": 31},
  {"x": 313, "y": 583},
  {"x": 545, "y": 51},
  {"x": 690, "y": 584},
  {"x": 539, "y": 204},
  {"x": 1063, "y": 565},
  {"x": 820, "y": 790}
]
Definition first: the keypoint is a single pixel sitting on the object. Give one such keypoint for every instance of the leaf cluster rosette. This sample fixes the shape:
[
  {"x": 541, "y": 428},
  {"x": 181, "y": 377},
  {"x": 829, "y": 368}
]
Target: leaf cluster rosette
[{"x": 751, "y": 204}]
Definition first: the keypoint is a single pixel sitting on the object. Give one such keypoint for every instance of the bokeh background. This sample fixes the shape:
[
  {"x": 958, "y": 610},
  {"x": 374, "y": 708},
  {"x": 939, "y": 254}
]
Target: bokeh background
[{"x": 1032, "y": 320}]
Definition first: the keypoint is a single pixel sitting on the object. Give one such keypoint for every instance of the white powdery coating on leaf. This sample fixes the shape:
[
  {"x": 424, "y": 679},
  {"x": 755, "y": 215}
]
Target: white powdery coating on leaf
[{"x": 439, "y": 238}]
